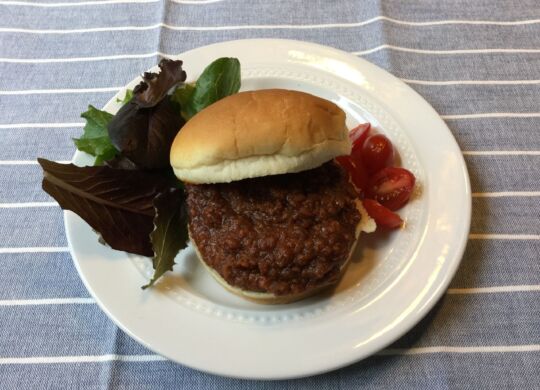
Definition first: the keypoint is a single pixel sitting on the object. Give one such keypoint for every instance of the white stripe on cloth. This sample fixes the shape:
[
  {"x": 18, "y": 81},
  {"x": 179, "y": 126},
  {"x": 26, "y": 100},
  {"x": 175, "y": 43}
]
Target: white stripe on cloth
[
  {"x": 494, "y": 289},
  {"x": 153, "y": 358},
  {"x": 47, "y": 301},
  {"x": 471, "y": 82},
  {"x": 73, "y": 4},
  {"x": 501, "y": 152},
  {"x": 82, "y": 59},
  {"x": 460, "y": 22},
  {"x": 24, "y": 205},
  {"x": 470, "y": 349},
  {"x": 102, "y": 2},
  {"x": 60, "y": 91},
  {"x": 505, "y": 194},
  {"x": 27, "y": 162},
  {"x": 87, "y": 30},
  {"x": 247, "y": 26},
  {"x": 35, "y": 249},
  {"x": 492, "y": 115},
  {"x": 198, "y": 2},
  {"x": 443, "y": 52},
  {"x": 497, "y": 236},
  {"x": 80, "y": 359},
  {"x": 39, "y": 125}
]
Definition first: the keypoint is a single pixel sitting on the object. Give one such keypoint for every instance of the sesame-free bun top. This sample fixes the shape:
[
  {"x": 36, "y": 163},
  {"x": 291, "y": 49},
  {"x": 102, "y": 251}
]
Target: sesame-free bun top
[{"x": 259, "y": 133}]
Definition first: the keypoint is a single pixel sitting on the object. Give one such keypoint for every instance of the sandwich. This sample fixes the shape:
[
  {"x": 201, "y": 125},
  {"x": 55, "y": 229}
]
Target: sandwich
[{"x": 271, "y": 215}]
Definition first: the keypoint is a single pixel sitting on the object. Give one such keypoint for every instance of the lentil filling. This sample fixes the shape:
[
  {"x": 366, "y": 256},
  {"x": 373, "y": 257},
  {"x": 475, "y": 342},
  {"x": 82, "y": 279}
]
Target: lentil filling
[{"x": 281, "y": 234}]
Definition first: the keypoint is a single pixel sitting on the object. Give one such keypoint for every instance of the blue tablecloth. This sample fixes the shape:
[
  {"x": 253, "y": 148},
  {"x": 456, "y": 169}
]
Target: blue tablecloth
[{"x": 477, "y": 62}]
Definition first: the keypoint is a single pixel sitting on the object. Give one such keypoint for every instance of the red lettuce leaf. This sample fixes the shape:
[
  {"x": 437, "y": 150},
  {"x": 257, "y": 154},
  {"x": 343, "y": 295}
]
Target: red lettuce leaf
[
  {"x": 156, "y": 85},
  {"x": 145, "y": 135},
  {"x": 116, "y": 203},
  {"x": 144, "y": 128},
  {"x": 121, "y": 162}
]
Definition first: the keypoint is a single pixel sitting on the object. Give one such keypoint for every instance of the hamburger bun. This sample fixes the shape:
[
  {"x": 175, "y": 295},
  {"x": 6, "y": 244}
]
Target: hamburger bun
[{"x": 259, "y": 133}]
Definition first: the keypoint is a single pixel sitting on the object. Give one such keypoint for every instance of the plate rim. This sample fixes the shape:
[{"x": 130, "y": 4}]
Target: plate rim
[{"x": 410, "y": 320}]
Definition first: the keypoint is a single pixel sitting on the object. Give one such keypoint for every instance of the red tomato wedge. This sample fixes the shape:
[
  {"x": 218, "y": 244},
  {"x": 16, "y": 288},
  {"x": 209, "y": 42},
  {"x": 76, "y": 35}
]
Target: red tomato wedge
[
  {"x": 358, "y": 135},
  {"x": 391, "y": 187},
  {"x": 356, "y": 172},
  {"x": 383, "y": 217}
]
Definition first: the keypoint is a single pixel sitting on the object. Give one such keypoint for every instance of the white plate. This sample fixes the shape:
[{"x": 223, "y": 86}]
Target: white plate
[{"x": 391, "y": 284}]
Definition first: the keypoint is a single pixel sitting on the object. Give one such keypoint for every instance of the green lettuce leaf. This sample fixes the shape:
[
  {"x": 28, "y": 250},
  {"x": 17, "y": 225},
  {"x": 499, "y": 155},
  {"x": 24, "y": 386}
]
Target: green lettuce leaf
[
  {"x": 221, "y": 78},
  {"x": 127, "y": 97},
  {"x": 95, "y": 139},
  {"x": 181, "y": 97},
  {"x": 170, "y": 233}
]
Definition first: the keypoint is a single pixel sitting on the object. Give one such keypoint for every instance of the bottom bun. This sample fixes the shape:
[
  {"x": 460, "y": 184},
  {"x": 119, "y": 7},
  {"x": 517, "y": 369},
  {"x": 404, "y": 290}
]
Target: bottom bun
[
  {"x": 366, "y": 224},
  {"x": 269, "y": 298}
]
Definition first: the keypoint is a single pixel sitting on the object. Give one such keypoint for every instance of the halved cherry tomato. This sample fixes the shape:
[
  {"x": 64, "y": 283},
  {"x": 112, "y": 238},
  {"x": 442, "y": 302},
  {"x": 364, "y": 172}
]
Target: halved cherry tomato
[
  {"x": 391, "y": 187},
  {"x": 358, "y": 135},
  {"x": 356, "y": 172},
  {"x": 377, "y": 153},
  {"x": 382, "y": 216}
]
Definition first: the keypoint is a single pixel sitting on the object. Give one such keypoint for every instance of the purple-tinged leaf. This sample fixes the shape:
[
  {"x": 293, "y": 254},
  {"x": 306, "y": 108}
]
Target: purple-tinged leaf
[{"x": 116, "y": 203}]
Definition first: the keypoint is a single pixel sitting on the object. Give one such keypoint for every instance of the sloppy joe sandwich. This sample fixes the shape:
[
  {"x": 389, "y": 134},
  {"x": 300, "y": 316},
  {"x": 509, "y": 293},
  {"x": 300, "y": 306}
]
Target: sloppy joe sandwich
[{"x": 271, "y": 216}]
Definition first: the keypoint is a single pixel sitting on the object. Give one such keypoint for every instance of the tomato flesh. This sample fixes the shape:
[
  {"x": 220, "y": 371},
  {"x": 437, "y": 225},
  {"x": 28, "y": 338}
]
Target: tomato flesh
[
  {"x": 383, "y": 217},
  {"x": 377, "y": 153},
  {"x": 391, "y": 187},
  {"x": 356, "y": 172},
  {"x": 358, "y": 136}
]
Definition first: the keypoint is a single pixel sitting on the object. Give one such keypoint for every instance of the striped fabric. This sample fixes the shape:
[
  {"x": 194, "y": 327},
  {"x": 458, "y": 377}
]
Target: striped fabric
[{"x": 477, "y": 62}]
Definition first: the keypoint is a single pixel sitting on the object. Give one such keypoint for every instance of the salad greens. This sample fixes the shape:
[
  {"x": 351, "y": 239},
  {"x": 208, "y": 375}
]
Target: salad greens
[
  {"x": 114, "y": 202},
  {"x": 170, "y": 234},
  {"x": 95, "y": 139},
  {"x": 155, "y": 86},
  {"x": 182, "y": 97},
  {"x": 134, "y": 201},
  {"x": 127, "y": 97},
  {"x": 144, "y": 128},
  {"x": 145, "y": 135},
  {"x": 221, "y": 78}
]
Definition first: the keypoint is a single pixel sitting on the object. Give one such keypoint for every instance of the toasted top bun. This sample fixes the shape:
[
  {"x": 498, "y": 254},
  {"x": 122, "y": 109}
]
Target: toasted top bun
[{"x": 259, "y": 133}]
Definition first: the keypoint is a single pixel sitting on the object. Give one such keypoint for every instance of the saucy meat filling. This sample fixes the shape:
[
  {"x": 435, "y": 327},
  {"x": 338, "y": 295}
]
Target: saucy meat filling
[{"x": 279, "y": 234}]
